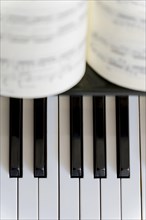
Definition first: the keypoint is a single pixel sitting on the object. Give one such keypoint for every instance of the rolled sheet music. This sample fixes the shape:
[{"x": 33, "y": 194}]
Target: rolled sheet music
[
  {"x": 42, "y": 47},
  {"x": 45, "y": 44},
  {"x": 117, "y": 41}
]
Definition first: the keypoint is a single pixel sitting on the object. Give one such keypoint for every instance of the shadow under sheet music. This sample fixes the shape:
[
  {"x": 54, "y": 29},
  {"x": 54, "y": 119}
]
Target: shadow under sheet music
[{"x": 94, "y": 84}]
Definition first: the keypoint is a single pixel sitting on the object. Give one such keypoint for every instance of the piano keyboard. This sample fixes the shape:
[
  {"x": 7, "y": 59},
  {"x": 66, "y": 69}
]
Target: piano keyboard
[{"x": 85, "y": 175}]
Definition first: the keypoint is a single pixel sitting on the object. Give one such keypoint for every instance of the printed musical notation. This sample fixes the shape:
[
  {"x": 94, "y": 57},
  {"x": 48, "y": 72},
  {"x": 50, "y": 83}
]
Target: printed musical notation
[
  {"x": 130, "y": 14},
  {"x": 118, "y": 56},
  {"x": 27, "y": 72},
  {"x": 41, "y": 46},
  {"x": 41, "y": 29},
  {"x": 120, "y": 47}
]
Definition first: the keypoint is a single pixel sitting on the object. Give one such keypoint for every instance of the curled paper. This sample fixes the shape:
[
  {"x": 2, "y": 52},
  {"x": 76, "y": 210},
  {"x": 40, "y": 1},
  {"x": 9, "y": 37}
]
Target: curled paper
[
  {"x": 42, "y": 47},
  {"x": 117, "y": 46}
]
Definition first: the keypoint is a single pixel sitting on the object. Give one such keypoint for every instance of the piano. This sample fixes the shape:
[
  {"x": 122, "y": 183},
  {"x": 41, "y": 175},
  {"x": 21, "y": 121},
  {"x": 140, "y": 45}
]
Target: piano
[{"x": 80, "y": 155}]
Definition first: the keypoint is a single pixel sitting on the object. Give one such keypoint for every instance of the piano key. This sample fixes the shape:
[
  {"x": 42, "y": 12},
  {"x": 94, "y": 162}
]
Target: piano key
[
  {"x": 99, "y": 137},
  {"x": 90, "y": 187},
  {"x": 40, "y": 137},
  {"x": 130, "y": 194},
  {"x": 110, "y": 187},
  {"x": 68, "y": 187},
  {"x": 143, "y": 152},
  {"x": 16, "y": 123},
  {"x": 28, "y": 185},
  {"x": 76, "y": 136},
  {"x": 8, "y": 186},
  {"x": 48, "y": 187},
  {"x": 122, "y": 131}
]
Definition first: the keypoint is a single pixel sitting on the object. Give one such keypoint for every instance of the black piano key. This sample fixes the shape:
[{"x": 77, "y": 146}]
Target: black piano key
[
  {"x": 122, "y": 130},
  {"x": 40, "y": 137},
  {"x": 99, "y": 137},
  {"x": 76, "y": 137},
  {"x": 15, "y": 138}
]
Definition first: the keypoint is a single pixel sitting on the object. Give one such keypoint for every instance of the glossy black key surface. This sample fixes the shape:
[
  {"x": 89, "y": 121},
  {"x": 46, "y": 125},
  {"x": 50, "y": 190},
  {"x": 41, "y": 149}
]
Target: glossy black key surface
[
  {"x": 15, "y": 137},
  {"x": 76, "y": 137},
  {"x": 122, "y": 130},
  {"x": 40, "y": 137},
  {"x": 99, "y": 137}
]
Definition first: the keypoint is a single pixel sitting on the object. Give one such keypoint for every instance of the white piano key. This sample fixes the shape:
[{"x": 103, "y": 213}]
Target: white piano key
[
  {"x": 143, "y": 152},
  {"x": 48, "y": 187},
  {"x": 69, "y": 187},
  {"x": 8, "y": 186},
  {"x": 110, "y": 187},
  {"x": 90, "y": 187},
  {"x": 28, "y": 185},
  {"x": 131, "y": 201}
]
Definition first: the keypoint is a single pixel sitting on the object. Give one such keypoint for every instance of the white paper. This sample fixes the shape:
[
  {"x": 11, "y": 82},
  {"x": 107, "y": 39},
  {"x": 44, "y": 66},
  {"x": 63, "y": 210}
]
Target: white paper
[
  {"x": 116, "y": 48},
  {"x": 42, "y": 47}
]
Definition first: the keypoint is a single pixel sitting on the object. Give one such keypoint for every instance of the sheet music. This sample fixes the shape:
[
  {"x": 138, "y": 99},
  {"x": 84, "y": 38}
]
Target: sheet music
[
  {"x": 42, "y": 46},
  {"x": 117, "y": 42}
]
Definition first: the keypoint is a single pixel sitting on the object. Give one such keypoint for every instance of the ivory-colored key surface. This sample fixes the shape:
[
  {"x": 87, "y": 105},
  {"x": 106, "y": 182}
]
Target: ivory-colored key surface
[
  {"x": 48, "y": 187},
  {"x": 8, "y": 186},
  {"x": 143, "y": 152},
  {"x": 28, "y": 185},
  {"x": 131, "y": 196},
  {"x": 89, "y": 187},
  {"x": 110, "y": 187},
  {"x": 69, "y": 187}
]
